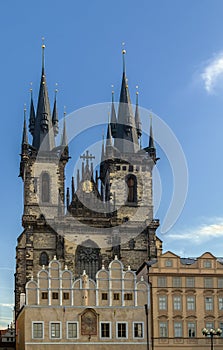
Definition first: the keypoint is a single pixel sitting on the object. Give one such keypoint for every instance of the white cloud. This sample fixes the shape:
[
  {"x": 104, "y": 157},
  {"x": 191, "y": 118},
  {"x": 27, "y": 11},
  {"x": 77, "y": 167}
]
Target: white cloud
[
  {"x": 6, "y": 305},
  {"x": 212, "y": 72},
  {"x": 201, "y": 233}
]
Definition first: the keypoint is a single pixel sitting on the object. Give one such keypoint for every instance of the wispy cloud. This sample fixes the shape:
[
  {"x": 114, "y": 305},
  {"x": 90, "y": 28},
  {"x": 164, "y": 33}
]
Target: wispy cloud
[
  {"x": 212, "y": 72},
  {"x": 201, "y": 233},
  {"x": 6, "y": 305}
]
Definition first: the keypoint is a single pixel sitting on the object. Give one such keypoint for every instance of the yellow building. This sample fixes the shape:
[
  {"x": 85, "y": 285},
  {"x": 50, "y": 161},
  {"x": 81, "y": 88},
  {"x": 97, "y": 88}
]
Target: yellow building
[
  {"x": 60, "y": 311},
  {"x": 187, "y": 296}
]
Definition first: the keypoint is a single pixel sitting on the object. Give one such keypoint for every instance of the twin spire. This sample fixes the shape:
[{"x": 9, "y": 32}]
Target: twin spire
[
  {"x": 126, "y": 128},
  {"x": 42, "y": 125}
]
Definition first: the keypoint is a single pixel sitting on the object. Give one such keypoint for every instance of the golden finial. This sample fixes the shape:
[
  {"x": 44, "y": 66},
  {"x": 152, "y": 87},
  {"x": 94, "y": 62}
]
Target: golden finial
[
  {"x": 43, "y": 40},
  {"x": 123, "y": 50},
  {"x": 137, "y": 92},
  {"x": 64, "y": 111},
  {"x": 56, "y": 89}
]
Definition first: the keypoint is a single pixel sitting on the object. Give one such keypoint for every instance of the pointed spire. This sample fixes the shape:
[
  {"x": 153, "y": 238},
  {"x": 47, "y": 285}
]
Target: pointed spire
[
  {"x": 64, "y": 141},
  {"x": 103, "y": 149},
  {"x": 151, "y": 140},
  {"x": 55, "y": 121},
  {"x": 113, "y": 116},
  {"x": 24, "y": 134},
  {"x": 31, "y": 113},
  {"x": 109, "y": 138},
  {"x": 72, "y": 188},
  {"x": 151, "y": 149},
  {"x": 126, "y": 139},
  {"x": 43, "y": 132},
  {"x": 68, "y": 197},
  {"x": 137, "y": 116}
]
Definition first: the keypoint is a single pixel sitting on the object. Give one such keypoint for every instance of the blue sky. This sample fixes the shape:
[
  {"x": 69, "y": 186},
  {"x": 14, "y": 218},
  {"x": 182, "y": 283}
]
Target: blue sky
[{"x": 175, "y": 55}]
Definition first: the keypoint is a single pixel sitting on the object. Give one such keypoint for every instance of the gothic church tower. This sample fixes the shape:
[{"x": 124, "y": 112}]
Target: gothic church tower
[{"x": 107, "y": 214}]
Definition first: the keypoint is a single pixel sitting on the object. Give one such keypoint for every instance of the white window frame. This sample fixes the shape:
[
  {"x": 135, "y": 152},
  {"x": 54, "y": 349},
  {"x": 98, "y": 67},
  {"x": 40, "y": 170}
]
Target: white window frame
[
  {"x": 120, "y": 322},
  {"x": 133, "y": 330},
  {"x": 50, "y": 330},
  {"x": 209, "y": 304},
  {"x": 177, "y": 302},
  {"x": 110, "y": 330},
  {"x": 162, "y": 302},
  {"x": 77, "y": 323},
  {"x": 34, "y": 322},
  {"x": 178, "y": 329},
  {"x": 166, "y": 328},
  {"x": 191, "y": 303},
  {"x": 189, "y": 323}
]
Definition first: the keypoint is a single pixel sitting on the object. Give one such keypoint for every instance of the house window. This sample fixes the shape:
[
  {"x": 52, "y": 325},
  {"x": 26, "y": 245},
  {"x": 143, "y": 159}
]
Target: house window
[
  {"x": 43, "y": 260},
  {"x": 44, "y": 295},
  {"x": 191, "y": 329},
  {"x": 132, "y": 189},
  {"x": 168, "y": 263},
  {"x": 190, "y": 282},
  {"x": 208, "y": 282},
  {"x": 128, "y": 296},
  {"x": 121, "y": 330},
  {"x": 177, "y": 303},
  {"x": 116, "y": 296},
  {"x": 207, "y": 263},
  {"x": 176, "y": 282},
  {"x": 208, "y": 303},
  {"x": 177, "y": 329},
  {"x": 66, "y": 296},
  {"x": 220, "y": 303},
  {"x": 45, "y": 188},
  {"x": 55, "y": 329},
  {"x": 162, "y": 302},
  {"x": 104, "y": 296},
  {"x": 138, "y": 329},
  {"x": 209, "y": 325},
  {"x": 220, "y": 282},
  {"x": 105, "y": 330},
  {"x": 162, "y": 281},
  {"x": 71, "y": 330},
  {"x": 37, "y": 330},
  {"x": 55, "y": 295},
  {"x": 190, "y": 303},
  {"x": 221, "y": 327},
  {"x": 163, "y": 329}
]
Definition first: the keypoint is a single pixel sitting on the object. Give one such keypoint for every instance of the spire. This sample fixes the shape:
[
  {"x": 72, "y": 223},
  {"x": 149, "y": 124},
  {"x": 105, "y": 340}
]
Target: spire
[
  {"x": 137, "y": 116},
  {"x": 55, "y": 115},
  {"x": 24, "y": 134},
  {"x": 64, "y": 141},
  {"x": 113, "y": 116},
  {"x": 102, "y": 149},
  {"x": 43, "y": 132},
  {"x": 109, "y": 137},
  {"x": 72, "y": 188},
  {"x": 126, "y": 139},
  {"x": 151, "y": 149},
  {"x": 31, "y": 113}
]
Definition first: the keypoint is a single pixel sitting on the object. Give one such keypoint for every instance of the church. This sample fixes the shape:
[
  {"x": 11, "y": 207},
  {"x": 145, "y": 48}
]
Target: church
[{"x": 96, "y": 233}]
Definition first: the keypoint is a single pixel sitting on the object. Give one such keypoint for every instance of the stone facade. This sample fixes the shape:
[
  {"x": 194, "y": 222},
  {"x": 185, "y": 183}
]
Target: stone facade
[
  {"x": 105, "y": 313},
  {"x": 187, "y": 296}
]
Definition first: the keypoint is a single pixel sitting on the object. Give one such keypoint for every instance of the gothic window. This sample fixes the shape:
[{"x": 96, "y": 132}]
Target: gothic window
[
  {"x": 132, "y": 189},
  {"x": 44, "y": 260},
  {"x": 88, "y": 258},
  {"x": 45, "y": 188}
]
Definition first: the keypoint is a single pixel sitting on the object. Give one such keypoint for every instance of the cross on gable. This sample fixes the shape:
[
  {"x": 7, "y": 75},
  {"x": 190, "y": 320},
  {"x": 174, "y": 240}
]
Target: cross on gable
[{"x": 87, "y": 156}]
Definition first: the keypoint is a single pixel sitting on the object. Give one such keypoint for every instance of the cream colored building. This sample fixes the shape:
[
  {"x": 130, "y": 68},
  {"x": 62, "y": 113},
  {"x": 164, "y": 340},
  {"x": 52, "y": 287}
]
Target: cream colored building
[
  {"x": 60, "y": 312},
  {"x": 187, "y": 295}
]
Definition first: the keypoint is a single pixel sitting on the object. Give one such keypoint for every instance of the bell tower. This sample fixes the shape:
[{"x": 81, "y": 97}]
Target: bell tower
[{"x": 42, "y": 169}]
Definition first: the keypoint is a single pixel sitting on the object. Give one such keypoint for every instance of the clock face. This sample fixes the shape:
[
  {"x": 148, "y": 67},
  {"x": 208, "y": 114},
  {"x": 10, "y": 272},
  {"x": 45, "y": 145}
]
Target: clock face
[{"x": 87, "y": 186}]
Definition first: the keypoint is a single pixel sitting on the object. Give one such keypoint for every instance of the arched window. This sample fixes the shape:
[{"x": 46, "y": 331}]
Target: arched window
[
  {"x": 44, "y": 259},
  {"x": 88, "y": 258},
  {"x": 132, "y": 189},
  {"x": 45, "y": 188}
]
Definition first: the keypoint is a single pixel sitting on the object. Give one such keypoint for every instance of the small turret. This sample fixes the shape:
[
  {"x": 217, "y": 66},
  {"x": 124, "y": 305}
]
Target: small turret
[
  {"x": 113, "y": 117},
  {"x": 31, "y": 114},
  {"x": 137, "y": 117},
  {"x": 55, "y": 121}
]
